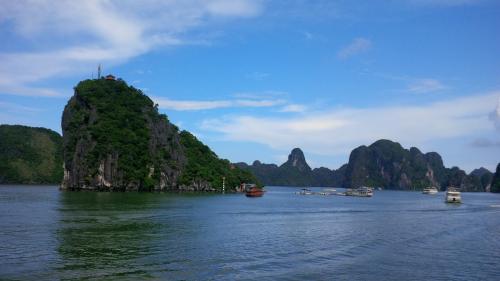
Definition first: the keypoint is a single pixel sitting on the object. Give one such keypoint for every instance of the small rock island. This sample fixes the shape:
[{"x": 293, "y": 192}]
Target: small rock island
[{"x": 114, "y": 139}]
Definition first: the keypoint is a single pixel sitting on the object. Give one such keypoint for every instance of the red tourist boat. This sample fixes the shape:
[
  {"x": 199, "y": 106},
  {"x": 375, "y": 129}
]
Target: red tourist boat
[{"x": 251, "y": 190}]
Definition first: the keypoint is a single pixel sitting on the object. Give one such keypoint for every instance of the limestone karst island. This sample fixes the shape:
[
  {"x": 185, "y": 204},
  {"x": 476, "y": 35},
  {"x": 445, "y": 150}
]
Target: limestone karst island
[{"x": 250, "y": 140}]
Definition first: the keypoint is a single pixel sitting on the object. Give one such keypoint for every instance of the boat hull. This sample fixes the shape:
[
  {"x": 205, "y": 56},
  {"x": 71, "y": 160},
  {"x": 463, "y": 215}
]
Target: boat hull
[
  {"x": 453, "y": 199},
  {"x": 254, "y": 192},
  {"x": 453, "y": 196},
  {"x": 431, "y": 192}
]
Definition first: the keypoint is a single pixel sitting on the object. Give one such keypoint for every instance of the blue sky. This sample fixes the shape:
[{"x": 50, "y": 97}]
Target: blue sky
[{"x": 254, "y": 79}]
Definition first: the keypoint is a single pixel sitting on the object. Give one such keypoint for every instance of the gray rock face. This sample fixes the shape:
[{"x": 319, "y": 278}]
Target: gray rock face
[
  {"x": 294, "y": 172},
  {"x": 94, "y": 162},
  {"x": 382, "y": 164},
  {"x": 297, "y": 160},
  {"x": 387, "y": 164},
  {"x": 114, "y": 139}
]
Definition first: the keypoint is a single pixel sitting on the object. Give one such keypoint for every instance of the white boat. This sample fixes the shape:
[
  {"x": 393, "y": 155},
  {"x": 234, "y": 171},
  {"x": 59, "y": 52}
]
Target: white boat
[
  {"x": 453, "y": 195},
  {"x": 327, "y": 191},
  {"x": 430, "y": 190},
  {"x": 360, "y": 192},
  {"x": 305, "y": 191}
]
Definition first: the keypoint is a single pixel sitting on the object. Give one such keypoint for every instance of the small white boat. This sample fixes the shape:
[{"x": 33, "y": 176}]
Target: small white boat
[
  {"x": 359, "y": 192},
  {"x": 453, "y": 195},
  {"x": 305, "y": 191},
  {"x": 430, "y": 190}
]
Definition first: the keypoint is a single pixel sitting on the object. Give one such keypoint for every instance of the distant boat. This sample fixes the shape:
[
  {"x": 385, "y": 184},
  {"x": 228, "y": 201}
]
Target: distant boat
[
  {"x": 305, "y": 191},
  {"x": 252, "y": 190},
  {"x": 430, "y": 190},
  {"x": 360, "y": 192},
  {"x": 453, "y": 195},
  {"x": 327, "y": 191}
]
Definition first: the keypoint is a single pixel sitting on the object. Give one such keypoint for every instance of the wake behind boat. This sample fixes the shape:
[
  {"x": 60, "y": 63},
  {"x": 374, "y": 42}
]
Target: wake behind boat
[{"x": 430, "y": 190}]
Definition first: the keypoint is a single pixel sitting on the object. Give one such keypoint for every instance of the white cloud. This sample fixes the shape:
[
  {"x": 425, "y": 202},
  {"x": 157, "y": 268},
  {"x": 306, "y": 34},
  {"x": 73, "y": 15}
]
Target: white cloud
[
  {"x": 66, "y": 37},
  {"x": 422, "y": 86},
  {"x": 193, "y": 105},
  {"x": 336, "y": 132},
  {"x": 357, "y": 46},
  {"x": 16, "y": 108},
  {"x": 293, "y": 108}
]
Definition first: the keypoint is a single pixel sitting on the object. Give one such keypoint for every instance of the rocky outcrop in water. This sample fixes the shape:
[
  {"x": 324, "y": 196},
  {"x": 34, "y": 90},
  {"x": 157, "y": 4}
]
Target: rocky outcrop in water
[
  {"x": 387, "y": 164},
  {"x": 114, "y": 138},
  {"x": 495, "y": 183},
  {"x": 382, "y": 164},
  {"x": 294, "y": 172}
]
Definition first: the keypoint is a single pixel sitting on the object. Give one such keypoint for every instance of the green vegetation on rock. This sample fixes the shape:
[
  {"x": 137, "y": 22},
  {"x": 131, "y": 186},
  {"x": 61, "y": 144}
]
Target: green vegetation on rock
[
  {"x": 204, "y": 167},
  {"x": 115, "y": 139},
  {"x": 382, "y": 164},
  {"x": 30, "y": 155}
]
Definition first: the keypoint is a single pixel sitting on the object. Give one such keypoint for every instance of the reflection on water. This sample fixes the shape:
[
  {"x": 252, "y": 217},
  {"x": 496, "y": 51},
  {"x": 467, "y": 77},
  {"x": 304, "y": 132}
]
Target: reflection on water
[
  {"x": 103, "y": 234},
  {"x": 46, "y": 234}
]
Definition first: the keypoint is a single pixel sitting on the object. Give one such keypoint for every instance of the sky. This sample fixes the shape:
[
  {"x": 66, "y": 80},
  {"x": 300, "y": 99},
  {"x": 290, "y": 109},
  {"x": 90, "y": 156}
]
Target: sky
[{"x": 254, "y": 79}]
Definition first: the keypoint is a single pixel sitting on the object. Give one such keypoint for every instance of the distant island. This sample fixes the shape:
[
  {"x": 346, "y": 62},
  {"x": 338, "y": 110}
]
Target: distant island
[
  {"x": 383, "y": 164},
  {"x": 30, "y": 155}
]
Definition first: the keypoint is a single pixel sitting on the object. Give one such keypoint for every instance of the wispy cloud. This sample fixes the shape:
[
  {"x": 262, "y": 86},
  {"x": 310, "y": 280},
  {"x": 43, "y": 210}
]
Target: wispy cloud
[
  {"x": 194, "y": 105},
  {"x": 422, "y": 86},
  {"x": 16, "y": 108},
  {"x": 357, "y": 46},
  {"x": 293, "y": 108},
  {"x": 73, "y": 36},
  {"x": 415, "y": 84},
  {"x": 485, "y": 143},
  {"x": 335, "y": 132}
]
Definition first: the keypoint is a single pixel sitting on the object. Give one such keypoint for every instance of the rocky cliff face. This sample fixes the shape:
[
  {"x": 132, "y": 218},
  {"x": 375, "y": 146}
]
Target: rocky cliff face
[
  {"x": 382, "y": 164},
  {"x": 495, "y": 183},
  {"x": 483, "y": 177},
  {"x": 115, "y": 139},
  {"x": 30, "y": 155},
  {"x": 297, "y": 161},
  {"x": 387, "y": 164},
  {"x": 294, "y": 172}
]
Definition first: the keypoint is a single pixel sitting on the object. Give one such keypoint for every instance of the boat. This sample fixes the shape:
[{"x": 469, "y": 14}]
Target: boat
[
  {"x": 453, "y": 195},
  {"x": 305, "y": 191},
  {"x": 252, "y": 190},
  {"x": 360, "y": 192},
  {"x": 430, "y": 190}
]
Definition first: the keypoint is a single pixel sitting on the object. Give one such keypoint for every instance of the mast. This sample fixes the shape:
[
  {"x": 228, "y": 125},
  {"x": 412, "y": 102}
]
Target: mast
[{"x": 99, "y": 72}]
